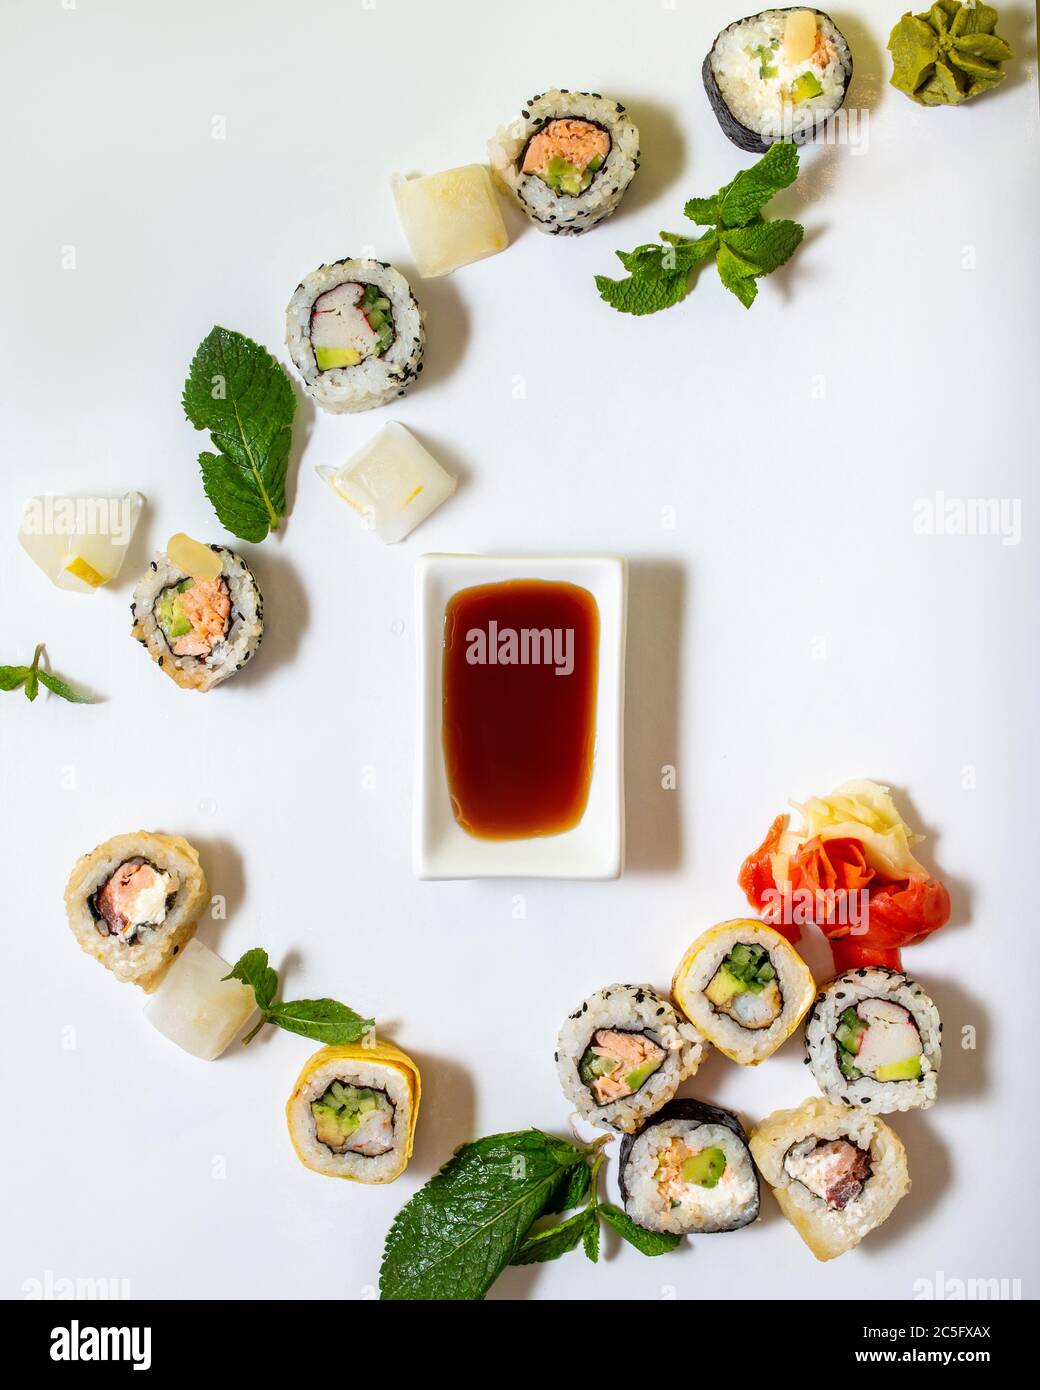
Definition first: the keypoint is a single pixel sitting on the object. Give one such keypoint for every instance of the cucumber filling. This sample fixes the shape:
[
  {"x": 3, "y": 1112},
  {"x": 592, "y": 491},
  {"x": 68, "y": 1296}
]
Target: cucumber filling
[
  {"x": 744, "y": 987},
  {"x": 354, "y": 1119}
]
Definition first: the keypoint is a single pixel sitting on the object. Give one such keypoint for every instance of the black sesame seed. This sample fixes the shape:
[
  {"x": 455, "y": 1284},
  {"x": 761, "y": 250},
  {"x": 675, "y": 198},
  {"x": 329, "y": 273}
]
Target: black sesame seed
[{"x": 154, "y": 565}]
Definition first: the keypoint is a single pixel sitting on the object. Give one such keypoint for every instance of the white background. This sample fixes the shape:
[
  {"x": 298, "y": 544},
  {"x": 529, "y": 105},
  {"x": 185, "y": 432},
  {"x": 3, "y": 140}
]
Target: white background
[{"x": 789, "y": 632}]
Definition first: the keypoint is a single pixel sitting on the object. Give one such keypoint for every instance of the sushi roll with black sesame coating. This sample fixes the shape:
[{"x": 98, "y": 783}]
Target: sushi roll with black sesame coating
[
  {"x": 874, "y": 1040},
  {"x": 689, "y": 1169},
  {"x": 355, "y": 333},
  {"x": 623, "y": 1053},
  {"x": 199, "y": 627},
  {"x": 567, "y": 159},
  {"x": 777, "y": 75}
]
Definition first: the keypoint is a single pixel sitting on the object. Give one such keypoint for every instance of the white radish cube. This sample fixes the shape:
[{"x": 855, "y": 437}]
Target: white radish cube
[
  {"x": 450, "y": 219},
  {"x": 195, "y": 1007},
  {"x": 393, "y": 482}
]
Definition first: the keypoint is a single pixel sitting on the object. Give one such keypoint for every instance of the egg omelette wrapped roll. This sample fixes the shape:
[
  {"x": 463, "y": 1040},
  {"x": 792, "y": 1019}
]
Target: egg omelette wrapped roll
[{"x": 353, "y": 1110}]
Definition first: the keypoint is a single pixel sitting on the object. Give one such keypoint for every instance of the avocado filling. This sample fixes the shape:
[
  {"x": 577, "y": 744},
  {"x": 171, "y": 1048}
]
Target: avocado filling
[
  {"x": 137, "y": 896},
  {"x": 878, "y": 1039},
  {"x": 679, "y": 1167},
  {"x": 744, "y": 987},
  {"x": 616, "y": 1064},
  {"x": 194, "y": 615},
  {"x": 834, "y": 1170},
  {"x": 349, "y": 323},
  {"x": 566, "y": 154},
  {"x": 354, "y": 1119}
]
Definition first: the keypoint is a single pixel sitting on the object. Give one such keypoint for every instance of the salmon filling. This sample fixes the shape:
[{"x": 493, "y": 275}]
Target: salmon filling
[
  {"x": 354, "y": 1119},
  {"x": 616, "y": 1064},
  {"x": 565, "y": 154},
  {"x": 193, "y": 615},
  {"x": 349, "y": 323},
  {"x": 136, "y": 896},
  {"x": 832, "y": 1169},
  {"x": 680, "y": 1166}
]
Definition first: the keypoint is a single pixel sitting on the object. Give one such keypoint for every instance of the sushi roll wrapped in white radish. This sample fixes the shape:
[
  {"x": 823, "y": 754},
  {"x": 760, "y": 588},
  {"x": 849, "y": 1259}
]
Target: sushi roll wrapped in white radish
[
  {"x": 567, "y": 159},
  {"x": 777, "y": 75},
  {"x": 134, "y": 902},
  {"x": 874, "y": 1040},
  {"x": 196, "y": 1006},
  {"x": 622, "y": 1054},
  {"x": 689, "y": 1170},
  {"x": 353, "y": 1111},
  {"x": 199, "y": 613},
  {"x": 745, "y": 987},
  {"x": 355, "y": 334},
  {"x": 836, "y": 1173}
]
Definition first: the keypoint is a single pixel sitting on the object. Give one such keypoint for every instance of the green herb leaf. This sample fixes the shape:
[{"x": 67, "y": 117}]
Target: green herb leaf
[
  {"x": 574, "y": 1192},
  {"x": 590, "y": 1235},
  {"x": 237, "y": 391},
  {"x": 747, "y": 195},
  {"x": 253, "y": 970},
  {"x": 13, "y": 677},
  {"x": 325, "y": 1020},
  {"x": 62, "y": 688},
  {"x": 30, "y": 678},
  {"x": 647, "y": 1242},
  {"x": 454, "y": 1237},
  {"x": 555, "y": 1241}
]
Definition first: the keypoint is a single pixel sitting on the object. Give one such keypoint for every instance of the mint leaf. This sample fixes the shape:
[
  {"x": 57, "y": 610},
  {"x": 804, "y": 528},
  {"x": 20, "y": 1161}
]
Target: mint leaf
[
  {"x": 61, "y": 688},
  {"x": 736, "y": 277},
  {"x": 590, "y": 1235},
  {"x": 555, "y": 1241},
  {"x": 764, "y": 246},
  {"x": 454, "y": 1237},
  {"x": 703, "y": 211},
  {"x": 253, "y": 970},
  {"x": 31, "y": 677},
  {"x": 643, "y": 294},
  {"x": 237, "y": 391},
  {"x": 747, "y": 195},
  {"x": 13, "y": 677},
  {"x": 647, "y": 1242},
  {"x": 575, "y": 1191},
  {"x": 325, "y": 1020}
]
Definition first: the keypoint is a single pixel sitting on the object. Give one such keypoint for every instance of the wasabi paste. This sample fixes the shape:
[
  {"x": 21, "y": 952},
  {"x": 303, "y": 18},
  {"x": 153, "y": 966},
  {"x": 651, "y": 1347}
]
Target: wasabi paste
[{"x": 948, "y": 54}]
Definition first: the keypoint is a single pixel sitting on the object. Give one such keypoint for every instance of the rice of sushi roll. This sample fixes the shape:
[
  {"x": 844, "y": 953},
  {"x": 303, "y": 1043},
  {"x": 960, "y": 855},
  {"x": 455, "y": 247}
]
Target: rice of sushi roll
[
  {"x": 199, "y": 630},
  {"x": 353, "y": 1111},
  {"x": 134, "y": 902},
  {"x": 778, "y": 75},
  {"x": 836, "y": 1173},
  {"x": 355, "y": 334},
  {"x": 745, "y": 987},
  {"x": 689, "y": 1169},
  {"x": 567, "y": 159},
  {"x": 874, "y": 1041},
  {"x": 623, "y": 1053}
]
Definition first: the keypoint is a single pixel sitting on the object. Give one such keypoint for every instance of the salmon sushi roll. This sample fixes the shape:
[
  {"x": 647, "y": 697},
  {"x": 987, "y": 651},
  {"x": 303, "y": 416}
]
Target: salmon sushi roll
[
  {"x": 567, "y": 159},
  {"x": 199, "y": 628},
  {"x": 622, "y": 1054},
  {"x": 134, "y": 902},
  {"x": 355, "y": 334}
]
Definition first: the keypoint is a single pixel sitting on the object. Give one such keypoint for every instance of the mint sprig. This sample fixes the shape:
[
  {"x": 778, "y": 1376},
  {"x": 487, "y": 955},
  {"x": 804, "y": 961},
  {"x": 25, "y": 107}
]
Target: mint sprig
[
  {"x": 237, "y": 391},
  {"x": 325, "y": 1020},
  {"x": 744, "y": 244},
  {"x": 30, "y": 678}
]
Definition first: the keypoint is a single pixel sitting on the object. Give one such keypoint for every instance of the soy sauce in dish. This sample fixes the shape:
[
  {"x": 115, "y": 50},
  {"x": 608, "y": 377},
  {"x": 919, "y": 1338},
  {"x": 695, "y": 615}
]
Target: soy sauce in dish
[{"x": 519, "y": 720}]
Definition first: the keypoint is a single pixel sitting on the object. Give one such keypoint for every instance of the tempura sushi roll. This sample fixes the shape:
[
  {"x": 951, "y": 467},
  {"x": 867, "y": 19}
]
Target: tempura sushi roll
[
  {"x": 874, "y": 1040},
  {"x": 778, "y": 75},
  {"x": 201, "y": 627},
  {"x": 623, "y": 1053},
  {"x": 836, "y": 1173},
  {"x": 134, "y": 902},
  {"x": 745, "y": 987},
  {"x": 353, "y": 1110},
  {"x": 567, "y": 159},
  {"x": 355, "y": 334},
  {"x": 689, "y": 1169}
]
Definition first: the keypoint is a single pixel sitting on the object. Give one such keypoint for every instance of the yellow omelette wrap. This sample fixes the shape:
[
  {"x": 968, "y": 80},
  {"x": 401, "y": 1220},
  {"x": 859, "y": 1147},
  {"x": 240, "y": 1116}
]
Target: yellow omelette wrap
[{"x": 353, "y": 1110}]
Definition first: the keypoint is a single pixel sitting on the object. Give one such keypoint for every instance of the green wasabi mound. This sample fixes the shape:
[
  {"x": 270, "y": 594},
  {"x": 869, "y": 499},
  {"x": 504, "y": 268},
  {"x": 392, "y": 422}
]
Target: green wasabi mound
[{"x": 948, "y": 54}]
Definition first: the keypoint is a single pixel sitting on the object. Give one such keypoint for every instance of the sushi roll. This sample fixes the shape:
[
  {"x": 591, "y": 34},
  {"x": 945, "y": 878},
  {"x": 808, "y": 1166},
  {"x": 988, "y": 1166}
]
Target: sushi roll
[
  {"x": 623, "y": 1053},
  {"x": 567, "y": 159},
  {"x": 689, "y": 1169},
  {"x": 873, "y": 1040},
  {"x": 778, "y": 75},
  {"x": 353, "y": 1111},
  {"x": 355, "y": 334},
  {"x": 200, "y": 621},
  {"x": 837, "y": 1174},
  {"x": 134, "y": 902},
  {"x": 745, "y": 987}
]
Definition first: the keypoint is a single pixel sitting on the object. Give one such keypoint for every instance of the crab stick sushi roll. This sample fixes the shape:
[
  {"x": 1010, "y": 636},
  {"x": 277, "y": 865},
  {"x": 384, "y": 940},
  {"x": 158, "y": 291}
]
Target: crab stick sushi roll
[
  {"x": 623, "y": 1053},
  {"x": 355, "y": 334},
  {"x": 778, "y": 75},
  {"x": 353, "y": 1111},
  {"x": 874, "y": 1040},
  {"x": 689, "y": 1170},
  {"x": 199, "y": 613},
  {"x": 567, "y": 159},
  {"x": 745, "y": 987},
  {"x": 836, "y": 1173},
  {"x": 134, "y": 902}
]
